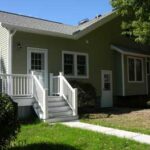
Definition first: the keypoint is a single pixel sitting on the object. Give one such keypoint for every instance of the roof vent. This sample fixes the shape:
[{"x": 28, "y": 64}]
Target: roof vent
[
  {"x": 83, "y": 21},
  {"x": 98, "y": 16}
]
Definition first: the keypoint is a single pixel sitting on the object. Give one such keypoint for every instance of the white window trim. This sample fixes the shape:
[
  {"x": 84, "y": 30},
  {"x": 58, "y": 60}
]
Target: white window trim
[
  {"x": 75, "y": 64},
  {"x": 130, "y": 57},
  {"x": 42, "y": 50}
]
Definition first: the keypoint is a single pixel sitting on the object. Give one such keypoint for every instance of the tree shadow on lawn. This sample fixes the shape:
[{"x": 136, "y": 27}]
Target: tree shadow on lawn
[
  {"x": 94, "y": 113},
  {"x": 44, "y": 146}
]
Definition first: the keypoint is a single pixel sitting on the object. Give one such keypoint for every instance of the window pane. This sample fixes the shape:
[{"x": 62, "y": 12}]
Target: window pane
[
  {"x": 37, "y": 61},
  {"x": 81, "y": 65},
  {"x": 68, "y": 64},
  {"x": 138, "y": 70},
  {"x": 107, "y": 82},
  {"x": 131, "y": 69}
]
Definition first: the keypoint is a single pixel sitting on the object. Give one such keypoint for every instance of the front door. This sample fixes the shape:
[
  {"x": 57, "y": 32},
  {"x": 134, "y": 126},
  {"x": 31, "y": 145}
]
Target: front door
[
  {"x": 106, "y": 96},
  {"x": 37, "y": 61}
]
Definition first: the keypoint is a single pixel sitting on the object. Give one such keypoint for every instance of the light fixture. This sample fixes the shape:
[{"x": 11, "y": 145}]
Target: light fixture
[{"x": 19, "y": 45}]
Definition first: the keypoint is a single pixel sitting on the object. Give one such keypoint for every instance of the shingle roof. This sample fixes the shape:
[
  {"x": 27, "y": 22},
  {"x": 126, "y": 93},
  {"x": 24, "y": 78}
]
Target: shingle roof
[
  {"x": 138, "y": 50},
  {"x": 20, "y": 21}
]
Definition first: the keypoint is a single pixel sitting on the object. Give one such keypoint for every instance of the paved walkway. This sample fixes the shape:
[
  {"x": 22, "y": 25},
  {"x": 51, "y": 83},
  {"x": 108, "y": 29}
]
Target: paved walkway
[{"x": 142, "y": 138}]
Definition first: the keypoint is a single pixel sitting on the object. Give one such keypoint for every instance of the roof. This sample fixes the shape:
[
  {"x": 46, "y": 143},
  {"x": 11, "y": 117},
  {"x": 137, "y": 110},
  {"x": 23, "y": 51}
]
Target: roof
[
  {"x": 131, "y": 51},
  {"x": 36, "y": 25}
]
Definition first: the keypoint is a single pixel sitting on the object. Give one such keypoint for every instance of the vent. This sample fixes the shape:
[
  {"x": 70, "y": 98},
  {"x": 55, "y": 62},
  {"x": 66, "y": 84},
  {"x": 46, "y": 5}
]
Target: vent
[
  {"x": 98, "y": 16},
  {"x": 83, "y": 21}
]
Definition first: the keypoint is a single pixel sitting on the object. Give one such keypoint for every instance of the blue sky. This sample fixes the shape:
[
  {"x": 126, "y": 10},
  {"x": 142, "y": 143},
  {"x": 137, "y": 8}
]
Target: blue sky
[{"x": 65, "y": 11}]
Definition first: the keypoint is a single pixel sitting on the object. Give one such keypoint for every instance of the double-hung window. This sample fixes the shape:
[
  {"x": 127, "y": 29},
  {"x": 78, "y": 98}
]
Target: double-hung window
[
  {"x": 75, "y": 64},
  {"x": 135, "y": 69}
]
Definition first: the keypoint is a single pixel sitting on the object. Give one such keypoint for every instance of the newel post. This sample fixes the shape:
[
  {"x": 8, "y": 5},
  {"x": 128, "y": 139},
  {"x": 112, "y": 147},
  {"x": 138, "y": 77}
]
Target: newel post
[
  {"x": 75, "y": 102},
  {"x": 32, "y": 85},
  {"x": 61, "y": 83},
  {"x": 45, "y": 98}
]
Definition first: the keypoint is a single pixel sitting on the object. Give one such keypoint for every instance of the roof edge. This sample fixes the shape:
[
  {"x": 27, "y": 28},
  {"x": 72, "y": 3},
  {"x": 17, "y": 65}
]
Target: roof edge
[{"x": 119, "y": 50}]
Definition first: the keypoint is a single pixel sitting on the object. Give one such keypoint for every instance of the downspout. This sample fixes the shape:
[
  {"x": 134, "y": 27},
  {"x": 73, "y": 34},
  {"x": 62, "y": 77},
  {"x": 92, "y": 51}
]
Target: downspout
[{"x": 10, "y": 49}]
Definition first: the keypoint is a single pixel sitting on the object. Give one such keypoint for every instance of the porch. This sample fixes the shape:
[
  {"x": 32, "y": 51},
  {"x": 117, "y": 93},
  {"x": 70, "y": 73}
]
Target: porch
[{"x": 53, "y": 101}]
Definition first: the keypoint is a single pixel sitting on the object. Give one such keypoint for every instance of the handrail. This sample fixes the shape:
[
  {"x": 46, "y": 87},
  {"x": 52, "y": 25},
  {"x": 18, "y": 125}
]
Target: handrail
[
  {"x": 69, "y": 94},
  {"x": 38, "y": 82},
  {"x": 20, "y": 75},
  {"x": 69, "y": 85},
  {"x": 16, "y": 84},
  {"x": 41, "y": 95}
]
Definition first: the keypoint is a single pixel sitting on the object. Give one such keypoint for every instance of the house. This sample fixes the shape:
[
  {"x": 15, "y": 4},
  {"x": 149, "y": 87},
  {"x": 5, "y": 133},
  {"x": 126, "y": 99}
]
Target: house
[{"x": 39, "y": 57}]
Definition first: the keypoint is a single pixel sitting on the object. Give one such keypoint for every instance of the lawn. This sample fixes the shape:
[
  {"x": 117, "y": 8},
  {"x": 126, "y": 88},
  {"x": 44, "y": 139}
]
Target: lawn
[
  {"x": 121, "y": 118},
  {"x": 58, "y": 137}
]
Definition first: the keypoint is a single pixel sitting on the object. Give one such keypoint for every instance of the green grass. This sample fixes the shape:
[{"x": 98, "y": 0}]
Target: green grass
[
  {"x": 136, "y": 121},
  {"x": 42, "y": 136}
]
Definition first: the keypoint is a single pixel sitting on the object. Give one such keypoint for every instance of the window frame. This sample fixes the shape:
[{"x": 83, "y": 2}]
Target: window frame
[
  {"x": 135, "y": 75},
  {"x": 75, "y": 54}
]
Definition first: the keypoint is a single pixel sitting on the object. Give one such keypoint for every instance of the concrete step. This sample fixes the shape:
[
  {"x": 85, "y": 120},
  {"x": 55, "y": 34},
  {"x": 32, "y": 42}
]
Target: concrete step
[
  {"x": 55, "y": 98},
  {"x": 58, "y": 109},
  {"x": 62, "y": 119},
  {"x": 56, "y": 103},
  {"x": 58, "y": 114}
]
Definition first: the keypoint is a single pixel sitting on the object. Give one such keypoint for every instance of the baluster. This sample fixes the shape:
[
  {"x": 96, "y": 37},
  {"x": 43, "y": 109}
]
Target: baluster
[
  {"x": 15, "y": 86},
  {"x": 24, "y": 86}
]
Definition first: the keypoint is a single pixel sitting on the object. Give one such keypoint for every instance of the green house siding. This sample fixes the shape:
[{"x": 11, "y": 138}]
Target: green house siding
[
  {"x": 96, "y": 44},
  {"x": 118, "y": 90}
]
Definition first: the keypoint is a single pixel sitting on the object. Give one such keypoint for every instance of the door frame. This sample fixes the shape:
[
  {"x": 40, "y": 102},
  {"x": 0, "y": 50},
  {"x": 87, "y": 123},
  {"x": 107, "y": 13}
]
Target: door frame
[
  {"x": 38, "y": 50},
  {"x": 102, "y": 83}
]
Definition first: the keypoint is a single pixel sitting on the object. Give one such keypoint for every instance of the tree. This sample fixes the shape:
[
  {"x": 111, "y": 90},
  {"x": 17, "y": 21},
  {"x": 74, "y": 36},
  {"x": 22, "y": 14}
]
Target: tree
[{"x": 136, "y": 18}]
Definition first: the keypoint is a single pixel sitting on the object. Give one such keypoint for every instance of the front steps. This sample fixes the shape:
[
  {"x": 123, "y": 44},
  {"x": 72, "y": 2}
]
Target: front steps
[{"x": 58, "y": 110}]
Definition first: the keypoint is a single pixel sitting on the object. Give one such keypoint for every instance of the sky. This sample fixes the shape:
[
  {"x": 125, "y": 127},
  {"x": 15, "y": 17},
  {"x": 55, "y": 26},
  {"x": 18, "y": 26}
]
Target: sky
[{"x": 64, "y": 11}]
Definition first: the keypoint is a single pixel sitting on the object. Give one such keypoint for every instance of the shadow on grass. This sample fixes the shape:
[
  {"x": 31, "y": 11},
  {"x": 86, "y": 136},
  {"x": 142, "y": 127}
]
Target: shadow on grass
[
  {"x": 44, "y": 146},
  {"x": 104, "y": 112}
]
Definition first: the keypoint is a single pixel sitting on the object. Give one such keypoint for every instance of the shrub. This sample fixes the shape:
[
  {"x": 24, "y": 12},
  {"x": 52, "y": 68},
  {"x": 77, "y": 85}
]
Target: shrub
[
  {"x": 86, "y": 93},
  {"x": 9, "y": 125}
]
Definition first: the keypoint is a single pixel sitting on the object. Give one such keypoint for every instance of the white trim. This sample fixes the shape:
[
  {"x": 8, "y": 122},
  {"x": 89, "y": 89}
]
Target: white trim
[
  {"x": 135, "y": 58},
  {"x": 75, "y": 54},
  {"x": 10, "y": 50},
  {"x": 128, "y": 53},
  {"x": 123, "y": 75},
  {"x": 42, "y": 50}
]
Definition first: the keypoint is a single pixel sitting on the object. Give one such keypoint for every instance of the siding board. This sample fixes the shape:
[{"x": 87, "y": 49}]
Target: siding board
[{"x": 4, "y": 46}]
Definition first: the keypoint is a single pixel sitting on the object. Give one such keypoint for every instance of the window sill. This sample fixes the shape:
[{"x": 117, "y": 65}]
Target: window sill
[
  {"x": 135, "y": 81},
  {"x": 77, "y": 77}
]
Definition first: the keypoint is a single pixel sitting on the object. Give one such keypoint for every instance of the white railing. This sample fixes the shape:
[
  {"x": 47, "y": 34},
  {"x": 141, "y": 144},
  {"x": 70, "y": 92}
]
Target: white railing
[
  {"x": 41, "y": 96},
  {"x": 60, "y": 86},
  {"x": 16, "y": 84}
]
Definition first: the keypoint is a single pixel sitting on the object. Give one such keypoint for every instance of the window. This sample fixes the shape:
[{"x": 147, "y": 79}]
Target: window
[
  {"x": 135, "y": 69},
  {"x": 68, "y": 64},
  {"x": 37, "y": 61},
  {"x": 75, "y": 64}
]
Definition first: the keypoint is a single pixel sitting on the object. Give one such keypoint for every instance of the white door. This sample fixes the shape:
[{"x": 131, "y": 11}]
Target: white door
[
  {"x": 107, "y": 95},
  {"x": 37, "y": 61}
]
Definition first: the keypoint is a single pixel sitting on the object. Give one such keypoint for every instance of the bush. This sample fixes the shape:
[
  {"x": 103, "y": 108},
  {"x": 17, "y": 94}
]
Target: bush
[
  {"x": 9, "y": 125},
  {"x": 86, "y": 93}
]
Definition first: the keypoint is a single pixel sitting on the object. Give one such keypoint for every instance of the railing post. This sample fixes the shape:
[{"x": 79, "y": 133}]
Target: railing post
[
  {"x": 51, "y": 83},
  {"x": 75, "y": 102},
  {"x": 45, "y": 98},
  {"x": 32, "y": 73},
  {"x": 61, "y": 83}
]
